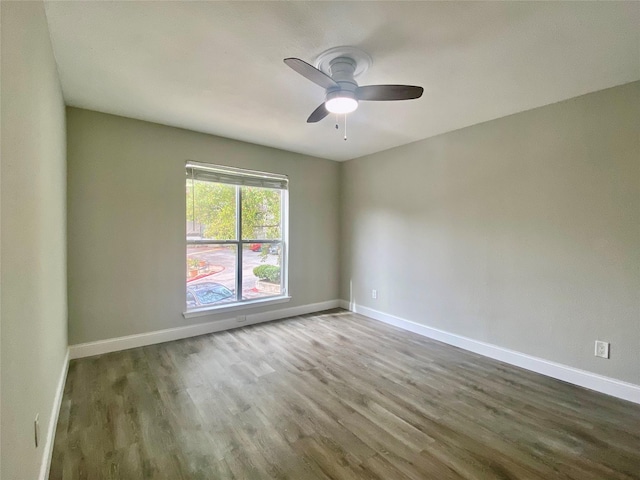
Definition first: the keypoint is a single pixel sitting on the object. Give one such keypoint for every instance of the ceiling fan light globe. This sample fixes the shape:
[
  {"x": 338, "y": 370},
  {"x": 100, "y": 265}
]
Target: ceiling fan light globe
[{"x": 341, "y": 105}]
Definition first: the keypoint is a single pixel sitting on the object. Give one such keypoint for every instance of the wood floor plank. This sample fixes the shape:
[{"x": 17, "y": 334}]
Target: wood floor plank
[{"x": 332, "y": 396}]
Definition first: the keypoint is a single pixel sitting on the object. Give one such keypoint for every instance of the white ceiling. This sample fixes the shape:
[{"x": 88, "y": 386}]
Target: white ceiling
[{"x": 217, "y": 67}]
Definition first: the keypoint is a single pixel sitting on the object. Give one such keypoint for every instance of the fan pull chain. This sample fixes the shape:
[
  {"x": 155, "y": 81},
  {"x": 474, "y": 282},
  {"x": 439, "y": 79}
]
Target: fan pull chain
[{"x": 345, "y": 127}]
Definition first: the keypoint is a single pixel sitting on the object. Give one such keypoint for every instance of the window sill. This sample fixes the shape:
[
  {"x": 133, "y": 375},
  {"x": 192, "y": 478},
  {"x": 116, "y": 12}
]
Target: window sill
[{"x": 201, "y": 312}]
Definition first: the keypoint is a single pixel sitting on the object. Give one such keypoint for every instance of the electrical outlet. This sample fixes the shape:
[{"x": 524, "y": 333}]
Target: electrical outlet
[
  {"x": 374, "y": 294},
  {"x": 36, "y": 430},
  {"x": 241, "y": 318},
  {"x": 602, "y": 349}
]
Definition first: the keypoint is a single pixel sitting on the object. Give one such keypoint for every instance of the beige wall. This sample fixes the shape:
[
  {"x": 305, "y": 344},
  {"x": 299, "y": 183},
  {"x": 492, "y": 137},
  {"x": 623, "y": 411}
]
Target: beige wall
[
  {"x": 33, "y": 252},
  {"x": 523, "y": 232},
  {"x": 126, "y": 208}
]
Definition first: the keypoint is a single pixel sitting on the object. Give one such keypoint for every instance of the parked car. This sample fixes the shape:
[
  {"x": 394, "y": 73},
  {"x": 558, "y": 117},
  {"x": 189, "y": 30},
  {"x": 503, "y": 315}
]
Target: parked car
[
  {"x": 272, "y": 248},
  {"x": 207, "y": 293}
]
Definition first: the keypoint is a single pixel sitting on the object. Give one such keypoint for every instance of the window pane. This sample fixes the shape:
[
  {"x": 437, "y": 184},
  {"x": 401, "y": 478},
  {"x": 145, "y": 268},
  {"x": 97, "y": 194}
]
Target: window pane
[
  {"x": 261, "y": 213},
  {"x": 211, "y": 275},
  {"x": 211, "y": 211},
  {"x": 261, "y": 270}
]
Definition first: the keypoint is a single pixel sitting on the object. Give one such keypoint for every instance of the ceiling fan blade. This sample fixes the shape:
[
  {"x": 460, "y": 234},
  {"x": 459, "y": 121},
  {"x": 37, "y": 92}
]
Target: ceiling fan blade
[
  {"x": 388, "y": 92},
  {"x": 311, "y": 73},
  {"x": 318, "y": 114}
]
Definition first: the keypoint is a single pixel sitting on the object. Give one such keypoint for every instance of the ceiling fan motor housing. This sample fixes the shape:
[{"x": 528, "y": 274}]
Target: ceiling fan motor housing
[
  {"x": 342, "y": 69},
  {"x": 342, "y": 99}
]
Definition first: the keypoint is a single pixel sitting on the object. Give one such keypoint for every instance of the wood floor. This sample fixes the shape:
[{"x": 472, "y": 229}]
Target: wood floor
[{"x": 332, "y": 396}]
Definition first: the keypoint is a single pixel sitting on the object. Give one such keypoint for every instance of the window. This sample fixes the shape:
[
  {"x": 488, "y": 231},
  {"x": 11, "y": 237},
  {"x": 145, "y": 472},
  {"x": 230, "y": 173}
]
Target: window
[{"x": 236, "y": 236}]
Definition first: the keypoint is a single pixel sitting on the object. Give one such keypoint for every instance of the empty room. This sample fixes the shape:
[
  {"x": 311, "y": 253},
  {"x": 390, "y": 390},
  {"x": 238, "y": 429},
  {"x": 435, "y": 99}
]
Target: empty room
[{"x": 328, "y": 240}]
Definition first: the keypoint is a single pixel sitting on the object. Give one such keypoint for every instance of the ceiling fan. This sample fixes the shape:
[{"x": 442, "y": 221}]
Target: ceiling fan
[{"x": 342, "y": 91}]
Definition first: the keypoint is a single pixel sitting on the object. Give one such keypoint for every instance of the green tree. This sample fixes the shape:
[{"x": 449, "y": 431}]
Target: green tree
[
  {"x": 213, "y": 207},
  {"x": 260, "y": 213}
]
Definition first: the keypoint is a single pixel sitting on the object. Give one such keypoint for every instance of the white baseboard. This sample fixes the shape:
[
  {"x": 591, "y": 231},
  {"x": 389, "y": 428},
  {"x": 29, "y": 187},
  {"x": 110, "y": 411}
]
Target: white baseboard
[
  {"x": 599, "y": 383},
  {"x": 99, "y": 347},
  {"x": 47, "y": 450}
]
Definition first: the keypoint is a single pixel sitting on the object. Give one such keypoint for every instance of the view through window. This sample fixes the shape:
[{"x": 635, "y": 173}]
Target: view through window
[{"x": 236, "y": 235}]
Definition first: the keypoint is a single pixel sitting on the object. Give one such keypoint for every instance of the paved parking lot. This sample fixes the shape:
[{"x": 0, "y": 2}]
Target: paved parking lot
[{"x": 225, "y": 257}]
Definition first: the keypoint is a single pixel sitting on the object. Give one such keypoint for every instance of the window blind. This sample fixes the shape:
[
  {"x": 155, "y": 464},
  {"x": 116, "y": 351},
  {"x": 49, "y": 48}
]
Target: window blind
[{"x": 235, "y": 176}]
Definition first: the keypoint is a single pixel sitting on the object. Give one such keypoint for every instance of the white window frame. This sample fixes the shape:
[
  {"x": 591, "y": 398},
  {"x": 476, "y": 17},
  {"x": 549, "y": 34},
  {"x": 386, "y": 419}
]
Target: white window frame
[{"x": 242, "y": 177}]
